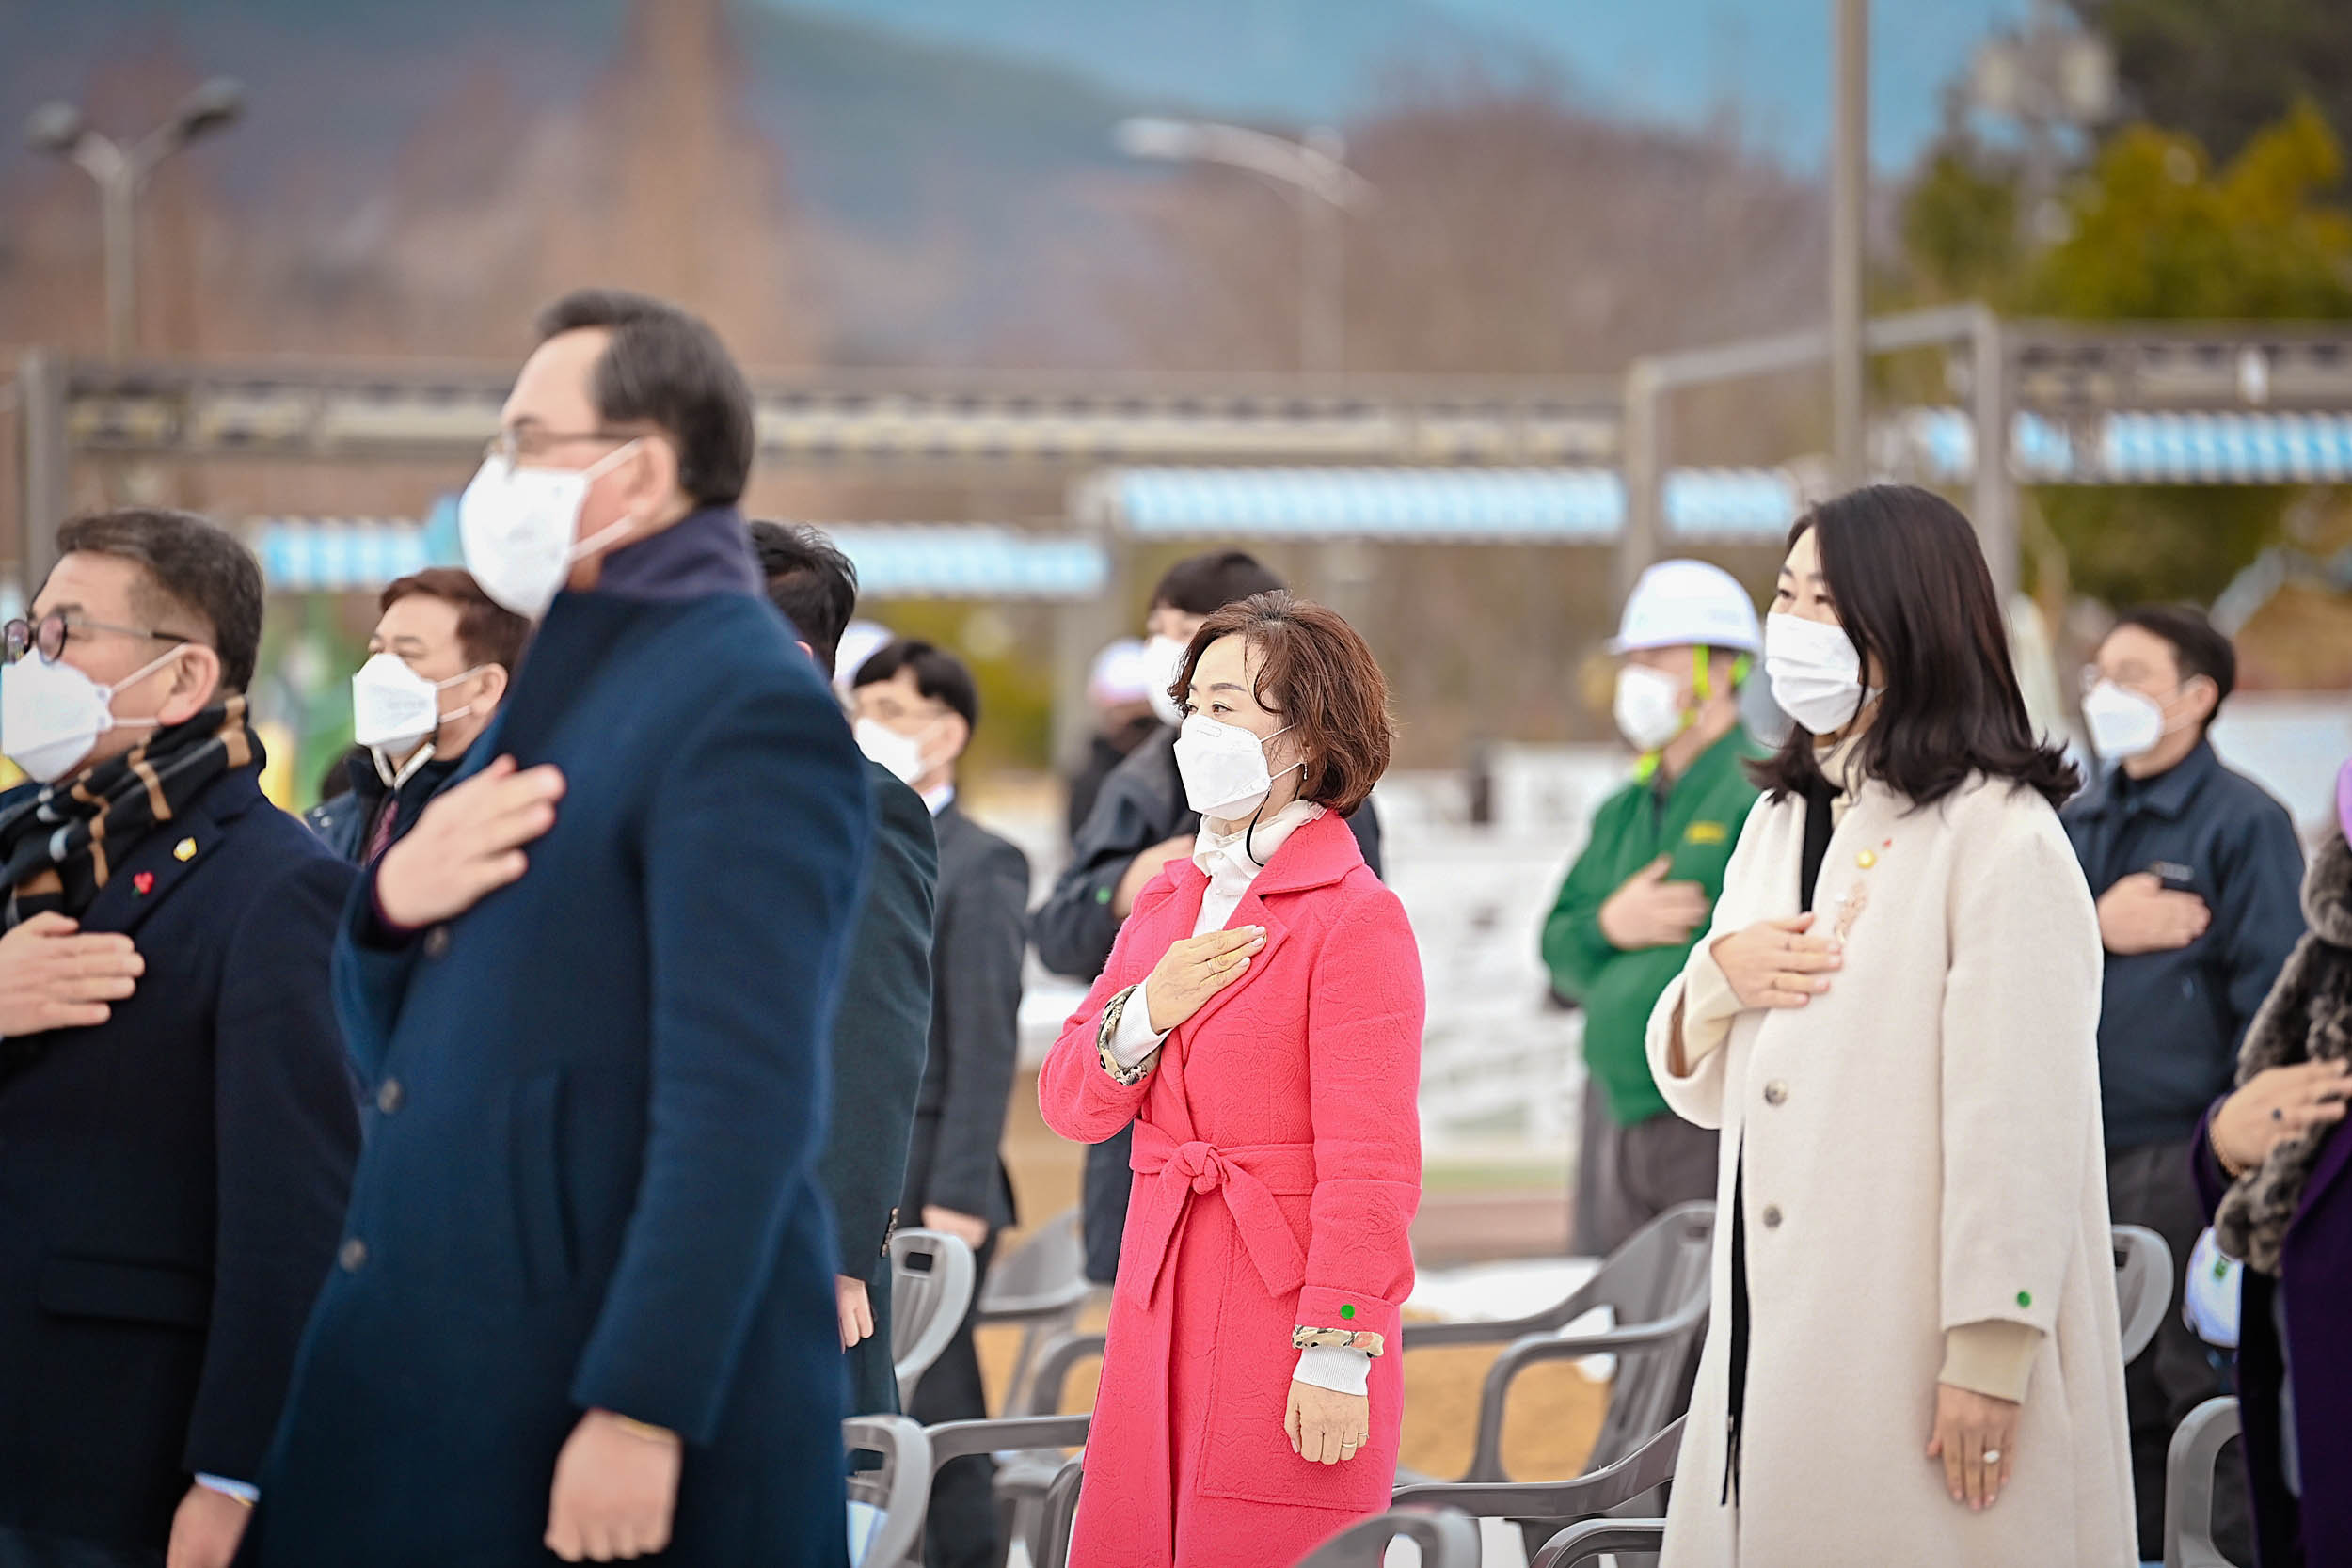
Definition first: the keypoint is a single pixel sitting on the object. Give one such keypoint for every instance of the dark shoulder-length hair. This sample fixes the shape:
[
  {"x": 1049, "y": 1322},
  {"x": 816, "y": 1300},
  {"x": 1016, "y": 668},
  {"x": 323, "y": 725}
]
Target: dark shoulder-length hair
[{"x": 1911, "y": 587}]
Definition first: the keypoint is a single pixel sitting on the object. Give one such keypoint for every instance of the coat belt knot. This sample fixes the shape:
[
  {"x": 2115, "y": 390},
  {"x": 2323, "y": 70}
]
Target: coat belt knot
[{"x": 1246, "y": 1176}]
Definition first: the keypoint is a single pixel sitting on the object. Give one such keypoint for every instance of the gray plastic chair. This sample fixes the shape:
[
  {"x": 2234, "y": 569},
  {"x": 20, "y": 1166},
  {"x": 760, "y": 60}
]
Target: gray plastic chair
[
  {"x": 1049, "y": 1539},
  {"x": 1580, "y": 1543},
  {"x": 901, "y": 1490},
  {"x": 1446, "y": 1541},
  {"x": 930, "y": 1290},
  {"x": 2143, "y": 1286},
  {"x": 1657, "y": 1286},
  {"x": 1017, "y": 1434},
  {"x": 1042, "y": 1286},
  {"x": 2188, "y": 1474},
  {"x": 1557, "y": 1502}
]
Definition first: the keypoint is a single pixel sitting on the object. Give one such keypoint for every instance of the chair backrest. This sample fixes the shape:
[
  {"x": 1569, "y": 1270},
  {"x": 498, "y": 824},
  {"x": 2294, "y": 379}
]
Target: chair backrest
[
  {"x": 930, "y": 1290},
  {"x": 2188, "y": 1466},
  {"x": 1049, "y": 1536},
  {"x": 2143, "y": 1286},
  {"x": 1446, "y": 1541},
  {"x": 1045, "y": 1277},
  {"x": 899, "y": 1492},
  {"x": 1664, "y": 1268}
]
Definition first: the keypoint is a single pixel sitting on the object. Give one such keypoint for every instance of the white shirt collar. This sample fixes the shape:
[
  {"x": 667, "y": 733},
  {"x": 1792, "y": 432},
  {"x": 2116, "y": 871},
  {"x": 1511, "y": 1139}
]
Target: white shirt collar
[
  {"x": 1232, "y": 861},
  {"x": 940, "y": 799}
]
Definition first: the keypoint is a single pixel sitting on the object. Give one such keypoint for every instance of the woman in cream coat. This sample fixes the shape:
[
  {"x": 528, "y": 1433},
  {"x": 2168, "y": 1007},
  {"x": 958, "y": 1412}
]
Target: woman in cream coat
[{"x": 1914, "y": 1356}]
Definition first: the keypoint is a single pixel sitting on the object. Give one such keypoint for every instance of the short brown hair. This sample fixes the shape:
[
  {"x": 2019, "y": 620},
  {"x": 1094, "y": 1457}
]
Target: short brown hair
[
  {"x": 487, "y": 631},
  {"x": 1317, "y": 674}
]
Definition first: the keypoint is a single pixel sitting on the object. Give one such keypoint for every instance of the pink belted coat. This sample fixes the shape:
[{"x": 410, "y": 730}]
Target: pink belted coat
[{"x": 1277, "y": 1168}]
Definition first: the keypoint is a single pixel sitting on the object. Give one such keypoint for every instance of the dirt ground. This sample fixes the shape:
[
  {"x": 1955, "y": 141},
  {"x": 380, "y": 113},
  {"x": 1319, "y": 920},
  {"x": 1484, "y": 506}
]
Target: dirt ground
[{"x": 1555, "y": 1410}]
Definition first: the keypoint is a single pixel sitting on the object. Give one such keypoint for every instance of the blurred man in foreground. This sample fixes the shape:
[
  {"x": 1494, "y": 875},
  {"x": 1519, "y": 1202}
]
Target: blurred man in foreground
[{"x": 584, "y": 1299}]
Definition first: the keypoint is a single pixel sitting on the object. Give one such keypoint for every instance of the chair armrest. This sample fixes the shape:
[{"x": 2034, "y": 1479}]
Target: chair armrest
[
  {"x": 1580, "y": 1543},
  {"x": 1649, "y": 1467},
  {"x": 1515, "y": 1358},
  {"x": 2188, "y": 1474},
  {"x": 1053, "y": 1363},
  {"x": 955, "y": 1439}
]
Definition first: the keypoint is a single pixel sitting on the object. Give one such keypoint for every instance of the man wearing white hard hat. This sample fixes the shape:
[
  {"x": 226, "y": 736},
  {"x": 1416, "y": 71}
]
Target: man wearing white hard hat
[{"x": 1638, "y": 896}]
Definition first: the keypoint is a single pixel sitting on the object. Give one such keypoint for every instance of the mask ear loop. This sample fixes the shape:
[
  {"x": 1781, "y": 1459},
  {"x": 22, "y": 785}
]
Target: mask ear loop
[{"x": 1250, "y": 833}]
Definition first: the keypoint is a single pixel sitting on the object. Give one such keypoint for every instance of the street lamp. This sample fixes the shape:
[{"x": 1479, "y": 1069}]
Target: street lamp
[
  {"x": 1315, "y": 171},
  {"x": 120, "y": 170}
]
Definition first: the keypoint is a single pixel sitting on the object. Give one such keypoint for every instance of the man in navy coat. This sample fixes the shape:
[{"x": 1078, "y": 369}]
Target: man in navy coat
[
  {"x": 583, "y": 1302},
  {"x": 177, "y": 1123}
]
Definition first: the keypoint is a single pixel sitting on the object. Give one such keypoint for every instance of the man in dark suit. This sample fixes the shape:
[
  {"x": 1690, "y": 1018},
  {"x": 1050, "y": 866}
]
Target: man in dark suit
[
  {"x": 583, "y": 1301},
  {"x": 439, "y": 663},
  {"x": 916, "y": 708},
  {"x": 1140, "y": 822},
  {"x": 882, "y": 1030},
  {"x": 177, "y": 1123}
]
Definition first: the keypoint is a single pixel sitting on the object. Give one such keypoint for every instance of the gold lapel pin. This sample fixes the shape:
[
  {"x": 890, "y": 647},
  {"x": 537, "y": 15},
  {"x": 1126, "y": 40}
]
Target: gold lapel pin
[{"x": 185, "y": 849}]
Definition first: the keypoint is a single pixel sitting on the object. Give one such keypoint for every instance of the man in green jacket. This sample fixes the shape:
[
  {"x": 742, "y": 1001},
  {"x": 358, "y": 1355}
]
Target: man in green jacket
[{"x": 1639, "y": 897}]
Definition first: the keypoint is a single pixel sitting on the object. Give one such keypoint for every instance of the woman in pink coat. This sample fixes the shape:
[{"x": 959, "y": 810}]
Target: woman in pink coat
[{"x": 1260, "y": 1023}]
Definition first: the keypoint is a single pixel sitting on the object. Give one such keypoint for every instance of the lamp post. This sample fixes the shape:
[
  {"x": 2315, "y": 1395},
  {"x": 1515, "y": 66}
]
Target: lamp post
[
  {"x": 120, "y": 170},
  {"x": 1850, "y": 177},
  {"x": 1315, "y": 172}
]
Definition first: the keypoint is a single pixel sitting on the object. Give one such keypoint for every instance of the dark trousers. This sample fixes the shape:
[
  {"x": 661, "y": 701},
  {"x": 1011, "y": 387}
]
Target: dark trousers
[
  {"x": 2151, "y": 1186},
  {"x": 1627, "y": 1177},
  {"x": 1103, "y": 1214},
  {"x": 959, "y": 1531}
]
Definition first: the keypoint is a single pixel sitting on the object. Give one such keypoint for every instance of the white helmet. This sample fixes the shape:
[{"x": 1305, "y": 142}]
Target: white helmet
[{"x": 1687, "y": 603}]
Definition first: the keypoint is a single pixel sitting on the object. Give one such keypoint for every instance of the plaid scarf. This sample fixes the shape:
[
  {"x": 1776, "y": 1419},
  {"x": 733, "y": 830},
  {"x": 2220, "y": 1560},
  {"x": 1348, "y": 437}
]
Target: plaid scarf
[{"x": 59, "y": 848}]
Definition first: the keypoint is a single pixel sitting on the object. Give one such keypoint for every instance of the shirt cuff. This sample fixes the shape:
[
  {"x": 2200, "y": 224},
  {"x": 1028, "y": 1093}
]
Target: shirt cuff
[
  {"x": 1993, "y": 1357},
  {"x": 1342, "y": 1371},
  {"x": 1135, "y": 1041},
  {"x": 1708, "y": 1005},
  {"x": 244, "y": 1491}
]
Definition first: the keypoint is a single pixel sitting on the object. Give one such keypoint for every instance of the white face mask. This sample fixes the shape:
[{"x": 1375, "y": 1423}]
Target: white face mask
[
  {"x": 901, "y": 753},
  {"x": 393, "y": 708},
  {"x": 1649, "y": 708},
  {"x": 2124, "y": 723},
  {"x": 515, "y": 526},
  {"x": 1223, "y": 766},
  {"x": 1816, "y": 672},
  {"x": 51, "y": 715},
  {"x": 1162, "y": 656}
]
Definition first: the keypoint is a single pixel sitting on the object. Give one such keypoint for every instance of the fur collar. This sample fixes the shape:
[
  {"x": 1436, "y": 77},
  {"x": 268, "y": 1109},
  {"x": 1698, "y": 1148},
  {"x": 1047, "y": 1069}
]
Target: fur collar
[{"x": 2327, "y": 892}]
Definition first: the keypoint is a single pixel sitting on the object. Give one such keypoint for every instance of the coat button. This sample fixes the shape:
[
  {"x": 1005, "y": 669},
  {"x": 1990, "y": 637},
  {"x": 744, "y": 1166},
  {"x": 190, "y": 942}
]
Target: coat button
[
  {"x": 1775, "y": 1092},
  {"x": 354, "y": 1256},
  {"x": 1772, "y": 1217},
  {"x": 437, "y": 942},
  {"x": 389, "y": 1095}
]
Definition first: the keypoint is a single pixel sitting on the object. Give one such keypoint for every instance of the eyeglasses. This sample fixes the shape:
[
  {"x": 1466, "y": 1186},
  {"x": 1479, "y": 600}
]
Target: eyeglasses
[
  {"x": 515, "y": 447},
  {"x": 49, "y": 635},
  {"x": 2129, "y": 679}
]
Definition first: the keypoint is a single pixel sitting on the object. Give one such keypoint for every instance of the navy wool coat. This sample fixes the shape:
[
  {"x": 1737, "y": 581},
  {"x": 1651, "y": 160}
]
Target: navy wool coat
[
  {"x": 172, "y": 1181},
  {"x": 595, "y": 1103}
]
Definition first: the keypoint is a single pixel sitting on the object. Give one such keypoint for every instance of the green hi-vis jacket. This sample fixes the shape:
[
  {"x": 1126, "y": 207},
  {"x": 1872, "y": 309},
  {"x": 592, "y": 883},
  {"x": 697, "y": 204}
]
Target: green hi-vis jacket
[{"x": 1695, "y": 819}]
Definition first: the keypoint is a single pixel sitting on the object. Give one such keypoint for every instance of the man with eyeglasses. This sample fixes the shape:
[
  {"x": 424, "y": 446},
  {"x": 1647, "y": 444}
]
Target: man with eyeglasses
[
  {"x": 584, "y": 1302},
  {"x": 177, "y": 1123},
  {"x": 2198, "y": 877}
]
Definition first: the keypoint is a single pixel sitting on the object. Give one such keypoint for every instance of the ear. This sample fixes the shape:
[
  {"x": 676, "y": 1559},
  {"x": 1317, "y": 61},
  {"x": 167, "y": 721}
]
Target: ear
[
  {"x": 958, "y": 735},
  {"x": 652, "y": 477},
  {"x": 195, "y": 678},
  {"x": 494, "y": 682},
  {"x": 2202, "y": 696}
]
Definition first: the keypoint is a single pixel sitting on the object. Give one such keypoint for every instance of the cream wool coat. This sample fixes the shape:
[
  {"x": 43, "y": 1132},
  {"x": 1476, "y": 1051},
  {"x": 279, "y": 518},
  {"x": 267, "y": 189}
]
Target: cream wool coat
[{"x": 1923, "y": 1151}]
